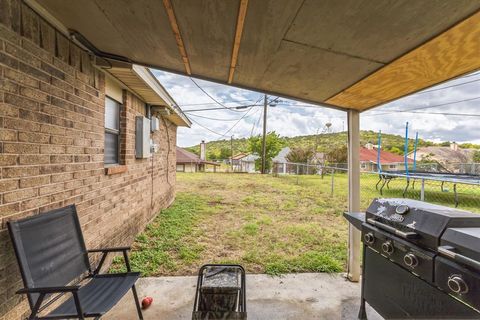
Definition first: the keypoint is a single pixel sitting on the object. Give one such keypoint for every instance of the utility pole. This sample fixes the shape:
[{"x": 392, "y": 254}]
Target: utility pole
[
  {"x": 231, "y": 151},
  {"x": 264, "y": 142}
]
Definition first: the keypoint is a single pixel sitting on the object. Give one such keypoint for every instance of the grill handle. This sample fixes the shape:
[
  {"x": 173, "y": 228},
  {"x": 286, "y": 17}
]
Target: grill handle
[
  {"x": 447, "y": 251},
  {"x": 386, "y": 227}
]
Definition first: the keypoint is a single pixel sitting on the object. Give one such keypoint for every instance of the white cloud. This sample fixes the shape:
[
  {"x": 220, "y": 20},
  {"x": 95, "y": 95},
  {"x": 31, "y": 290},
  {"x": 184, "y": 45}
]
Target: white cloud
[{"x": 292, "y": 118}]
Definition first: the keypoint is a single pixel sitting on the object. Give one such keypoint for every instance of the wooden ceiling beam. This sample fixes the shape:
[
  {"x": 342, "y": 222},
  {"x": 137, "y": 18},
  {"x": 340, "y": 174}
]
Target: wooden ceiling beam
[
  {"x": 178, "y": 36},
  {"x": 242, "y": 12}
]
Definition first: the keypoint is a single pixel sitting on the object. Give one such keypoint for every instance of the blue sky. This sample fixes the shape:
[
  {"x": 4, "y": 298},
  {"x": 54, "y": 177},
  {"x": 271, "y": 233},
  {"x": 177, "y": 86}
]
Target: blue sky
[{"x": 292, "y": 118}]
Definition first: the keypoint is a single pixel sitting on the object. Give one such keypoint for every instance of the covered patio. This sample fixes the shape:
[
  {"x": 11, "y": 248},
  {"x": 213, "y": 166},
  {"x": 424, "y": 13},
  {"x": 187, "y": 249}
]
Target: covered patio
[
  {"x": 349, "y": 55},
  {"x": 293, "y": 296}
]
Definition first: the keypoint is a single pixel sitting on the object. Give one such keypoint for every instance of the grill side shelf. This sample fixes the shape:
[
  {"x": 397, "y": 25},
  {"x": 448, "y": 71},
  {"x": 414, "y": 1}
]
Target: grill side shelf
[{"x": 355, "y": 218}]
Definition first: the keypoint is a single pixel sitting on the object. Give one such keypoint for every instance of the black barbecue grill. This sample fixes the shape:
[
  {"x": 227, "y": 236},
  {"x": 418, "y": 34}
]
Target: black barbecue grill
[{"x": 420, "y": 261}]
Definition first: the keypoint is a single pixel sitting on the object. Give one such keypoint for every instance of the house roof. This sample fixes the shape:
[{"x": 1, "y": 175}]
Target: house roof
[
  {"x": 374, "y": 51},
  {"x": 143, "y": 83},
  {"x": 445, "y": 154},
  {"x": 184, "y": 156},
  {"x": 282, "y": 155},
  {"x": 370, "y": 155},
  {"x": 240, "y": 155}
]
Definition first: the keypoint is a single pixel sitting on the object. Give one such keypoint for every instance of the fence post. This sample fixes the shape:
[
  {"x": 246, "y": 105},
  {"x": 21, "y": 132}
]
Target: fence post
[
  {"x": 333, "y": 171},
  {"x": 422, "y": 191}
]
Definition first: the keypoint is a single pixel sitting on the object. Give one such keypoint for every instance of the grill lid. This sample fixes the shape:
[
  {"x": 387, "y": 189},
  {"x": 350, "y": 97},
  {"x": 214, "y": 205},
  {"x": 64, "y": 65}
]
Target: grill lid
[
  {"x": 427, "y": 221},
  {"x": 464, "y": 241}
]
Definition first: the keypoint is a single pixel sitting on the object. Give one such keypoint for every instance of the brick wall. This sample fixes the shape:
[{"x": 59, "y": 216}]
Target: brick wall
[{"x": 51, "y": 145}]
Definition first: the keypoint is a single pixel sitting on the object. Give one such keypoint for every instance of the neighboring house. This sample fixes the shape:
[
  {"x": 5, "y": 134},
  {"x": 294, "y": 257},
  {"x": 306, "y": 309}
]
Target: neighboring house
[
  {"x": 449, "y": 157},
  {"x": 318, "y": 158},
  {"x": 68, "y": 137},
  {"x": 389, "y": 161},
  {"x": 282, "y": 155},
  {"x": 244, "y": 162},
  {"x": 280, "y": 162},
  {"x": 190, "y": 162}
]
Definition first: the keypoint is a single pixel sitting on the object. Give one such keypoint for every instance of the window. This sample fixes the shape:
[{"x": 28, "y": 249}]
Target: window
[
  {"x": 112, "y": 131},
  {"x": 364, "y": 165},
  {"x": 392, "y": 166}
]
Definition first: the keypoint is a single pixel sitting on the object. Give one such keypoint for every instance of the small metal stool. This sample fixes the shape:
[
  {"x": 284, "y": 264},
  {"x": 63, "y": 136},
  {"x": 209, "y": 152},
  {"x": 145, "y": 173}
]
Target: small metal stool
[{"x": 220, "y": 293}]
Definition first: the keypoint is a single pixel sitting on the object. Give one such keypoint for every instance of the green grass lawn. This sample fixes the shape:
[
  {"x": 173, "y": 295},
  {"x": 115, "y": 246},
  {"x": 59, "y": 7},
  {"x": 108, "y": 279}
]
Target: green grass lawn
[{"x": 268, "y": 224}]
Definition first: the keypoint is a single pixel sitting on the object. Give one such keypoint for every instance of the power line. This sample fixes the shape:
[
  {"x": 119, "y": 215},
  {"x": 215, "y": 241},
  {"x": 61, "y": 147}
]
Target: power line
[
  {"x": 237, "y": 122},
  {"x": 255, "y": 123},
  {"x": 214, "y": 132},
  {"x": 420, "y": 112},
  {"x": 208, "y": 103},
  {"x": 243, "y": 116},
  {"x": 211, "y": 97},
  {"x": 432, "y": 106},
  {"x": 448, "y": 87},
  {"x": 196, "y": 115},
  {"x": 219, "y": 134},
  {"x": 210, "y": 109}
]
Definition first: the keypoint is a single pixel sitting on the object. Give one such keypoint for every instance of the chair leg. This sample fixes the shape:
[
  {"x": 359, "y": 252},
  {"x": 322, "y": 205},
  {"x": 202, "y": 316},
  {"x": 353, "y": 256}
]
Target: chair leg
[{"x": 137, "y": 303}]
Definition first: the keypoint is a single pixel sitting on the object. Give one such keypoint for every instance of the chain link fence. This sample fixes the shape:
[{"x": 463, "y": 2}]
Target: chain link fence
[{"x": 460, "y": 189}]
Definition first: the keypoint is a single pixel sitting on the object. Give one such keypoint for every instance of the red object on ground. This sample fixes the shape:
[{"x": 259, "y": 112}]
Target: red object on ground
[{"x": 146, "y": 302}]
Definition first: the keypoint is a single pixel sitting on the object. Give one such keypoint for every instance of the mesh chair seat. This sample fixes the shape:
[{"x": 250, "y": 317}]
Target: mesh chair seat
[{"x": 99, "y": 295}]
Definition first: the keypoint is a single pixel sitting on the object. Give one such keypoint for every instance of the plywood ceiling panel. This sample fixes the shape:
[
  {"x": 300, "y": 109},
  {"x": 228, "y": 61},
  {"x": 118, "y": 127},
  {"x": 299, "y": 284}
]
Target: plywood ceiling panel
[
  {"x": 266, "y": 23},
  {"x": 449, "y": 55},
  {"x": 375, "y": 30},
  {"x": 136, "y": 29},
  {"x": 312, "y": 73},
  {"x": 208, "y": 31},
  {"x": 334, "y": 51}
]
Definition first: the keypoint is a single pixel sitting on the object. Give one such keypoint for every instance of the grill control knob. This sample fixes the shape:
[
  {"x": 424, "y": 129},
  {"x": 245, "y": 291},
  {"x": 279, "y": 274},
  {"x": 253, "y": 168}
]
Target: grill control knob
[
  {"x": 369, "y": 238},
  {"x": 387, "y": 247},
  {"x": 410, "y": 260},
  {"x": 457, "y": 284}
]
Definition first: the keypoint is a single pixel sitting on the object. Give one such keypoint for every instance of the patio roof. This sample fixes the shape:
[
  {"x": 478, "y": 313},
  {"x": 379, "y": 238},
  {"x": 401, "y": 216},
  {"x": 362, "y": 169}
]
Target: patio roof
[
  {"x": 143, "y": 83},
  {"x": 367, "y": 53}
]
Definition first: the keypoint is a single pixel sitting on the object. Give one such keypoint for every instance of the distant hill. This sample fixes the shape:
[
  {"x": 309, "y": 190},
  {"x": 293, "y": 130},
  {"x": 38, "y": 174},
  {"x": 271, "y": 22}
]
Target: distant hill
[{"x": 323, "y": 142}]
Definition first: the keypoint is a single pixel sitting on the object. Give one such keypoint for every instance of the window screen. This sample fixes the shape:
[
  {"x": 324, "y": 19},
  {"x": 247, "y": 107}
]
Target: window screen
[{"x": 112, "y": 130}]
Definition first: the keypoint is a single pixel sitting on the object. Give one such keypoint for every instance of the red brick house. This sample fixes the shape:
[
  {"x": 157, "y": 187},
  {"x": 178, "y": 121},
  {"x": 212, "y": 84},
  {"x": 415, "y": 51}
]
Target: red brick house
[
  {"x": 67, "y": 136},
  {"x": 389, "y": 161}
]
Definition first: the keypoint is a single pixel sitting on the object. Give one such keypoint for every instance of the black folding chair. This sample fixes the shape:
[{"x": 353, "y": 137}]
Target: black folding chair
[{"x": 51, "y": 254}]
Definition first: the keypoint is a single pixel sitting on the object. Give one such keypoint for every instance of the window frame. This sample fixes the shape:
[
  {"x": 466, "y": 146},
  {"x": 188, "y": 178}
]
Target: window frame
[{"x": 113, "y": 131}]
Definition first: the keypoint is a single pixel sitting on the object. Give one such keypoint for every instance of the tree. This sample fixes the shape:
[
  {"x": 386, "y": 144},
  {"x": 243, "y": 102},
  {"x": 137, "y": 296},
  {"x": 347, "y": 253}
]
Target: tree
[
  {"x": 476, "y": 156},
  {"x": 273, "y": 144},
  {"x": 337, "y": 155},
  {"x": 225, "y": 153},
  {"x": 212, "y": 155},
  {"x": 299, "y": 155}
]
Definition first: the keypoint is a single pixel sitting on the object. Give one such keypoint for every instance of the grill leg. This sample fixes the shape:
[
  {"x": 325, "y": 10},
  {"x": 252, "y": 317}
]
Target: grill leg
[
  {"x": 137, "y": 303},
  {"x": 362, "y": 313}
]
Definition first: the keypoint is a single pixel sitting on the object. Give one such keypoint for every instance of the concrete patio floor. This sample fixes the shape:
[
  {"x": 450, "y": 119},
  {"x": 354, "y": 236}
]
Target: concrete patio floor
[{"x": 293, "y": 296}]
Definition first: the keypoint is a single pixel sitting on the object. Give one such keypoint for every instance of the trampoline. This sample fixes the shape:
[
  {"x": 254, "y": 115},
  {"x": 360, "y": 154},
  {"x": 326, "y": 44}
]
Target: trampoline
[{"x": 411, "y": 176}]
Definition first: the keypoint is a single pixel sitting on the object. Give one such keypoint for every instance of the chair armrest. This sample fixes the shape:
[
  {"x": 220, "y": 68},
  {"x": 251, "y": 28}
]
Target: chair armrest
[
  {"x": 48, "y": 289},
  {"x": 105, "y": 251},
  {"x": 118, "y": 249}
]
